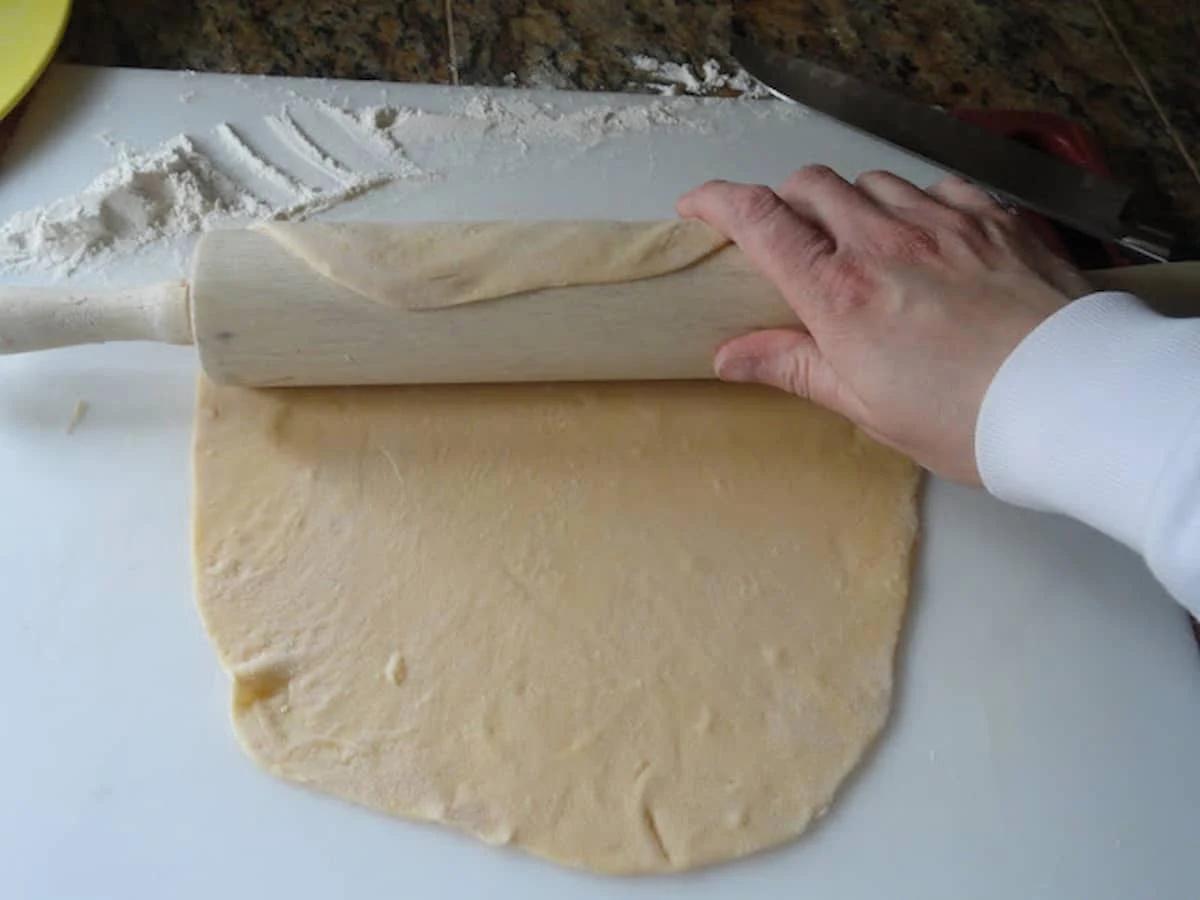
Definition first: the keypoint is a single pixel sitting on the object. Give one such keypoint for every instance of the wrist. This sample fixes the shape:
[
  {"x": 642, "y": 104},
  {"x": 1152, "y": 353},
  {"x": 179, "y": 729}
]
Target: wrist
[{"x": 1083, "y": 416}]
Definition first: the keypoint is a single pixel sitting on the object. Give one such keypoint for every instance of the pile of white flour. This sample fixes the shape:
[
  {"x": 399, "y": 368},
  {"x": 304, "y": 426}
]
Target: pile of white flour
[
  {"x": 177, "y": 189},
  {"x": 172, "y": 190},
  {"x": 227, "y": 176}
]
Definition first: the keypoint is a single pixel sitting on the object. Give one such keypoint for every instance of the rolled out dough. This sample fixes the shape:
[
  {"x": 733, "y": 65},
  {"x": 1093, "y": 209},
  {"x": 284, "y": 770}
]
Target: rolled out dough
[
  {"x": 437, "y": 265},
  {"x": 628, "y": 627}
]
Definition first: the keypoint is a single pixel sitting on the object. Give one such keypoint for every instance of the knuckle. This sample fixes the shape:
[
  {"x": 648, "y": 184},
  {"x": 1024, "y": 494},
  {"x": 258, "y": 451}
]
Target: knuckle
[
  {"x": 795, "y": 374},
  {"x": 757, "y": 203},
  {"x": 966, "y": 228},
  {"x": 1002, "y": 231},
  {"x": 959, "y": 221},
  {"x": 919, "y": 243},
  {"x": 907, "y": 241},
  {"x": 847, "y": 286},
  {"x": 766, "y": 221}
]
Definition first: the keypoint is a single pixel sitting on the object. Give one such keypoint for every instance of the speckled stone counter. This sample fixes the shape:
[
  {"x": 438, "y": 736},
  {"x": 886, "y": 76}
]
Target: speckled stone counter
[{"x": 1124, "y": 68}]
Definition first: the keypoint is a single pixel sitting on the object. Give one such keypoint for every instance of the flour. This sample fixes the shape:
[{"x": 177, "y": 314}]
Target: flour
[
  {"x": 523, "y": 119},
  {"x": 679, "y": 78},
  {"x": 171, "y": 191},
  {"x": 371, "y": 127},
  {"x": 514, "y": 119},
  {"x": 301, "y": 199},
  {"x": 176, "y": 190},
  {"x": 299, "y": 141},
  {"x": 293, "y": 190},
  {"x": 320, "y": 201},
  {"x": 278, "y": 169}
]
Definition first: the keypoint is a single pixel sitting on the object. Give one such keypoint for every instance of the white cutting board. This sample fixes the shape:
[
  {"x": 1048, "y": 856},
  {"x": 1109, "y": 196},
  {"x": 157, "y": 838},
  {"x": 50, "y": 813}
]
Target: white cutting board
[{"x": 1046, "y": 736}]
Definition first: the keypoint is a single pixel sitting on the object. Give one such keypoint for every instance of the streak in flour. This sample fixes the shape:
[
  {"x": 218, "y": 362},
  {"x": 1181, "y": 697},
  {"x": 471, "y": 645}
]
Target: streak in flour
[
  {"x": 260, "y": 167},
  {"x": 303, "y": 145},
  {"x": 371, "y": 126},
  {"x": 318, "y": 202}
]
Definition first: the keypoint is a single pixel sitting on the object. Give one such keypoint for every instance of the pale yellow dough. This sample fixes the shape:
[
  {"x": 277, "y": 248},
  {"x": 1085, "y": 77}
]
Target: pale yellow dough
[
  {"x": 436, "y": 265},
  {"x": 633, "y": 628}
]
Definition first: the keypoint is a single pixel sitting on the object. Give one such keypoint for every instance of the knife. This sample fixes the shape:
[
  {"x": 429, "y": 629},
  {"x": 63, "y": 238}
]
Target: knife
[{"x": 1097, "y": 206}]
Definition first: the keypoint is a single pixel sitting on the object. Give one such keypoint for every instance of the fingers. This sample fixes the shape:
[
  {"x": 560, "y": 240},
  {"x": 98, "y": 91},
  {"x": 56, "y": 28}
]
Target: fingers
[
  {"x": 890, "y": 190},
  {"x": 781, "y": 243},
  {"x": 843, "y": 211},
  {"x": 783, "y": 358},
  {"x": 966, "y": 197},
  {"x": 909, "y": 203}
]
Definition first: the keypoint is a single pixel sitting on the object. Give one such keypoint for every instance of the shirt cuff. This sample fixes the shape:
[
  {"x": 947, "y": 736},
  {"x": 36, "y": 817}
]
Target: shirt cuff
[{"x": 1085, "y": 415}]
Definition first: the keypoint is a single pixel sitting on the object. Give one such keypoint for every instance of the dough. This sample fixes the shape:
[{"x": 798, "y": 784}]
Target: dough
[
  {"x": 439, "y": 265},
  {"x": 628, "y": 627}
]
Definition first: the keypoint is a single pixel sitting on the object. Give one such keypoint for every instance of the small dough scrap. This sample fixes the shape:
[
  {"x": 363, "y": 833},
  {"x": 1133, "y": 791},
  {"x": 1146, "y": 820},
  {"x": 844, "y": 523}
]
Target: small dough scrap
[
  {"x": 437, "y": 265},
  {"x": 627, "y": 627}
]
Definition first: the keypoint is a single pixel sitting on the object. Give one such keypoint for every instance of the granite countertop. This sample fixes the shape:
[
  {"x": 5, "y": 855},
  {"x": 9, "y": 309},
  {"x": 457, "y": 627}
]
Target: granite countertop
[{"x": 1123, "y": 68}]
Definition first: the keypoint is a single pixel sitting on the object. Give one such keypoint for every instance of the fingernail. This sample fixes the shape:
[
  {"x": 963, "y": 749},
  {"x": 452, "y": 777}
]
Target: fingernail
[{"x": 737, "y": 368}]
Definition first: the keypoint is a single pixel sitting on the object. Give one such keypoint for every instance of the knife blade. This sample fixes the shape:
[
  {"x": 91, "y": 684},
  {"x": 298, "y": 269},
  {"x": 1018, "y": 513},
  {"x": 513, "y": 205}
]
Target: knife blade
[{"x": 1097, "y": 206}]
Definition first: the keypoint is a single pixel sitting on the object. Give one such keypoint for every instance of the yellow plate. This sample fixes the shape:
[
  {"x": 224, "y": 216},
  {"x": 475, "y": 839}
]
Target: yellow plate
[{"x": 29, "y": 33}]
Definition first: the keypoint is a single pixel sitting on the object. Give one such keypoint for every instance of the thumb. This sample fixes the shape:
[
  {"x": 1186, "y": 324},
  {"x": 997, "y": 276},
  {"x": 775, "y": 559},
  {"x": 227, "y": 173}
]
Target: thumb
[{"x": 780, "y": 357}]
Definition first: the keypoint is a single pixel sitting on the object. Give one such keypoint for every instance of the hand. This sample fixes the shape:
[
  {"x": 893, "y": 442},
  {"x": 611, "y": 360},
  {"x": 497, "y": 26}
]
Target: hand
[{"x": 908, "y": 300}]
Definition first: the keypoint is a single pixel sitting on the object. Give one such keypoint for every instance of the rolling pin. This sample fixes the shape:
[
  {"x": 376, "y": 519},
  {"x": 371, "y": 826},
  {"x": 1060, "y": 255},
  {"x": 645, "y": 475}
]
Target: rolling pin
[{"x": 260, "y": 316}]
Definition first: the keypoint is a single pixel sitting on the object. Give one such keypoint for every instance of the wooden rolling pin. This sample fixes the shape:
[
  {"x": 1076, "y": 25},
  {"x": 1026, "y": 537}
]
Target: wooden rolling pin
[{"x": 260, "y": 316}]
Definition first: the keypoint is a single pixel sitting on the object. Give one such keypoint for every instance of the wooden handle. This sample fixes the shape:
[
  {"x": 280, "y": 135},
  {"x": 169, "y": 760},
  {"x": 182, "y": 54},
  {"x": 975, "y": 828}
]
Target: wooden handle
[
  {"x": 44, "y": 318},
  {"x": 264, "y": 317}
]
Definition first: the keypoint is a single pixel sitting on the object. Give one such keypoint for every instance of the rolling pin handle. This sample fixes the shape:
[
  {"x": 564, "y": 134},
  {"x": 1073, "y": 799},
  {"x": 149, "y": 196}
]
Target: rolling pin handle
[{"x": 45, "y": 318}]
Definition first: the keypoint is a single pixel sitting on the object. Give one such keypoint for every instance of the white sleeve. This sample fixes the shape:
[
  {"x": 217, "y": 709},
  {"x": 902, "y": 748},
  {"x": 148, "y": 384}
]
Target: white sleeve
[{"x": 1096, "y": 415}]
